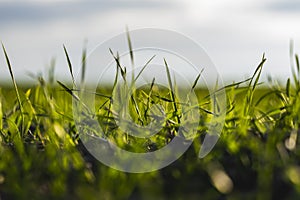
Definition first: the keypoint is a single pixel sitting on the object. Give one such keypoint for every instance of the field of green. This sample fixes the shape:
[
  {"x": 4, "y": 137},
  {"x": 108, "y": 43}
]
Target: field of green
[{"x": 256, "y": 157}]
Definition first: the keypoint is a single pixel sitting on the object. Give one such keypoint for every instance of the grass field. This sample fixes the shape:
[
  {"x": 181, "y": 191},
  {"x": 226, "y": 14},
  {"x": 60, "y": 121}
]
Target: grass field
[{"x": 257, "y": 155}]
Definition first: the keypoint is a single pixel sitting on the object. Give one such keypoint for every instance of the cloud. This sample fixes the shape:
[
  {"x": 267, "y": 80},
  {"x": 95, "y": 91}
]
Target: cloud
[
  {"x": 291, "y": 6},
  {"x": 38, "y": 11}
]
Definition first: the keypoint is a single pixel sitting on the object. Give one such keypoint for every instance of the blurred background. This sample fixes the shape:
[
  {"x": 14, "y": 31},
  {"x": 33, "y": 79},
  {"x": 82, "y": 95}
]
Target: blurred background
[{"x": 235, "y": 34}]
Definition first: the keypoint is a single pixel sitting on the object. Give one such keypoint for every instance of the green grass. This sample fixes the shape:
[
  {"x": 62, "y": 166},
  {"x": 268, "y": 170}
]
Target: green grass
[{"x": 257, "y": 155}]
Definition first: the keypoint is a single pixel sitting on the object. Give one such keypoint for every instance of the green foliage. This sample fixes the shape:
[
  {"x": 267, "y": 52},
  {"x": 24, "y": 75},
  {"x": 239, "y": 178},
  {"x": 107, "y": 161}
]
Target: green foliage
[{"x": 257, "y": 156}]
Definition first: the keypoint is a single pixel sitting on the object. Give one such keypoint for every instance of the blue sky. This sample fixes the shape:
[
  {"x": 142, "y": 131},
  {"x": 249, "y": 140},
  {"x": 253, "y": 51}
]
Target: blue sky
[{"x": 235, "y": 34}]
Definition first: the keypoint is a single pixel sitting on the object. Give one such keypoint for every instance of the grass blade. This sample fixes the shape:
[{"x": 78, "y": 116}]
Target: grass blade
[
  {"x": 130, "y": 51},
  {"x": 148, "y": 98},
  {"x": 15, "y": 87},
  {"x": 257, "y": 72},
  {"x": 171, "y": 88},
  {"x": 252, "y": 85},
  {"x": 69, "y": 64},
  {"x": 83, "y": 65},
  {"x": 123, "y": 71},
  {"x": 297, "y": 63},
  {"x": 116, "y": 74},
  {"x": 197, "y": 79},
  {"x": 68, "y": 90},
  {"x": 51, "y": 72},
  {"x": 287, "y": 89},
  {"x": 1, "y": 116},
  {"x": 147, "y": 63}
]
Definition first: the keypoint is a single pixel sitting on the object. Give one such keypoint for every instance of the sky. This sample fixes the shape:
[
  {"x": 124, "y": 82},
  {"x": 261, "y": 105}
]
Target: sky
[{"x": 234, "y": 34}]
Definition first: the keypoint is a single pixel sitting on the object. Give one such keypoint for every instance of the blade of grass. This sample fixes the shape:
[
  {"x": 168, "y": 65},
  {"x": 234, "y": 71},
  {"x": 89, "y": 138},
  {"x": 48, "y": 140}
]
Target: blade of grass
[
  {"x": 287, "y": 88},
  {"x": 298, "y": 69},
  {"x": 228, "y": 86},
  {"x": 132, "y": 87},
  {"x": 83, "y": 65},
  {"x": 171, "y": 90},
  {"x": 70, "y": 91},
  {"x": 130, "y": 52},
  {"x": 116, "y": 74},
  {"x": 16, "y": 89},
  {"x": 264, "y": 96},
  {"x": 51, "y": 72},
  {"x": 252, "y": 85},
  {"x": 137, "y": 109},
  {"x": 147, "y": 63},
  {"x": 297, "y": 63},
  {"x": 294, "y": 74},
  {"x": 123, "y": 71},
  {"x": 197, "y": 79},
  {"x": 90, "y": 92},
  {"x": 69, "y": 65},
  {"x": 257, "y": 72},
  {"x": 1, "y": 116},
  {"x": 148, "y": 99}
]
